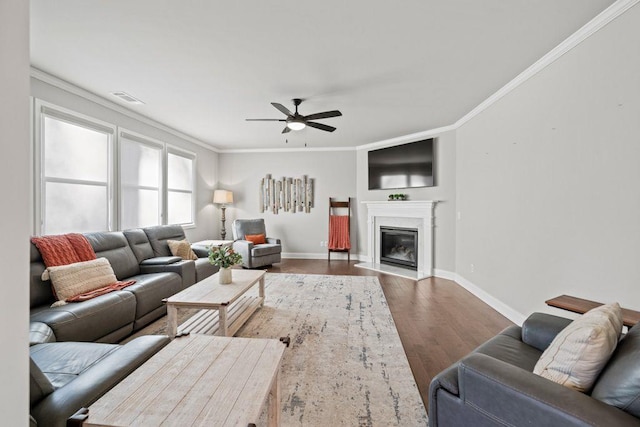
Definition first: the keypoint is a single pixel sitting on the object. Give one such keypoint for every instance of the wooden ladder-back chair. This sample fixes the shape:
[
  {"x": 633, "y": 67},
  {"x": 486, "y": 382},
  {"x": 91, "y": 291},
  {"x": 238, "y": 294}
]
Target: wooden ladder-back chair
[{"x": 339, "y": 227}]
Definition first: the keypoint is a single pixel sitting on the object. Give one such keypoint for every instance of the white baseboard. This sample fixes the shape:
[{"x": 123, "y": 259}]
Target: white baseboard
[
  {"x": 323, "y": 255},
  {"x": 493, "y": 302},
  {"x": 444, "y": 274}
]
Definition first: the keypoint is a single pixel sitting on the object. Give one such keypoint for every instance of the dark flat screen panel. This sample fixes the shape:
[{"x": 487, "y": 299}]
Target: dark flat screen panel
[{"x": 402, "y": 166}]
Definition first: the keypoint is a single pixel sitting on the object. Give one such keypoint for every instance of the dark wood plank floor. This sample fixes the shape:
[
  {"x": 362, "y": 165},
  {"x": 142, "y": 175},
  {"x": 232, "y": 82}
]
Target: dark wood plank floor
[{"x": 438, "y": 320}]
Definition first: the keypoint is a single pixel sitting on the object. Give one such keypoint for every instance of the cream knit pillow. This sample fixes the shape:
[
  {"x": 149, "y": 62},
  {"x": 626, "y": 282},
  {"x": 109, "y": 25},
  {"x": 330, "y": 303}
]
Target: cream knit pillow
[
  {"x": 181, "y": 248},
  {"x": 80, "y": 277},
  {"x": 579, "y": 352}
]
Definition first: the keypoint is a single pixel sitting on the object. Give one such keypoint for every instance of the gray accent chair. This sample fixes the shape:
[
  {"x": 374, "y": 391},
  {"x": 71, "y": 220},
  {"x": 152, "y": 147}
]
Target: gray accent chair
[
  {"x": 158, "y": 236},
  {"x": 495, "y": 384},
  {"x": 67, "y": 376},
  {"x": 254, "y": 256}
]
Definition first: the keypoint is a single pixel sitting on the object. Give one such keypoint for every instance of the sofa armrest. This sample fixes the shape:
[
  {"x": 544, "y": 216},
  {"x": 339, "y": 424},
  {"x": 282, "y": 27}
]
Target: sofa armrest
[
  {"x": 54, "y": 409},
  {"x": 540, "y": 329},
  {"x": 40, "y": 333},
  {"x": 273, "y": 241},
  {"x": 243, "y": 247},
  {"x": 161, "y": 260},
  {"x": 185, "y": 268},
  {"x": 514, "y": 396}
]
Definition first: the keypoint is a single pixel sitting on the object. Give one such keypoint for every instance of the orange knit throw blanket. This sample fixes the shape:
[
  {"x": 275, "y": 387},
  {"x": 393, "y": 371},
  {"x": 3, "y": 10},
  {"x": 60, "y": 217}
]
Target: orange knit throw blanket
[
  {"x": 64, "y": 249},
  {"x": 339, "y": 232},
  {"x": 68, "y": 249}
]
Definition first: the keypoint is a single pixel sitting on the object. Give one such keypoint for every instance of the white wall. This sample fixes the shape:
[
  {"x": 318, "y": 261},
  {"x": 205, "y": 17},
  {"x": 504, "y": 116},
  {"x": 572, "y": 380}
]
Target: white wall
[
  {"x": 334, "y": 174},
  {"x": 14, "y": 186},
  {"x": 206, "y": 163},
  {"x": 549, "y": 182},
  {"x": 444, "y": 191}
]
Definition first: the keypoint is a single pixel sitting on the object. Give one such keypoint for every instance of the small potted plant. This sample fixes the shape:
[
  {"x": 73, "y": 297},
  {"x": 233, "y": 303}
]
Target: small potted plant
[{"x": 224, "y": 257}]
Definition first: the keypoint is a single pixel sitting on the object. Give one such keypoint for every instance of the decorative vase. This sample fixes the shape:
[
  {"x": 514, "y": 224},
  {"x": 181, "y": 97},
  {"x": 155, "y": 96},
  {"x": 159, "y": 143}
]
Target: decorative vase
[{"x": 224, "y": 277}]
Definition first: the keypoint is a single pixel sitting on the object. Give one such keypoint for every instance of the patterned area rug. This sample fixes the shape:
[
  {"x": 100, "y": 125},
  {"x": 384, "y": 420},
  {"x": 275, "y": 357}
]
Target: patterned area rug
[{"x": 346, "y": 365}]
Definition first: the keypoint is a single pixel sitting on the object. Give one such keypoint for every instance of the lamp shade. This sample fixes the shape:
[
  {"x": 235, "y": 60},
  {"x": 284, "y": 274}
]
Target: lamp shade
[{"x": 222, "y": 196}]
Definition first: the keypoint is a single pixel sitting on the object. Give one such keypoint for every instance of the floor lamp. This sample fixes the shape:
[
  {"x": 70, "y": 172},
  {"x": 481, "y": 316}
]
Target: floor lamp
[{"x": 223, "y": 198}]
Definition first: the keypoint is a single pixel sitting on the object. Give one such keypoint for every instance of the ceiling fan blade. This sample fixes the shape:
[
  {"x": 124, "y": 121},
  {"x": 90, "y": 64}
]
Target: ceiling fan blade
[
  {"x": 286, "y": 129},
  {"x": 282, "y": 108},
  {"x": 321, "y": 126},
  {"x": 324, "y": 115},
  {"x": 265, "y": 120}
]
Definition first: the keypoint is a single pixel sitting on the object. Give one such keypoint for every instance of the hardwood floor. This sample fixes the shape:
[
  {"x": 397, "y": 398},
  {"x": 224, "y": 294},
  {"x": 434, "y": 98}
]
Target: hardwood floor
[{"x": 438, "y": 320}]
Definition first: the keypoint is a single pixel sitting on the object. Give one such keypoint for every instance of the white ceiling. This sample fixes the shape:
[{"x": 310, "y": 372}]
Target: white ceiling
[{"x": 392, "y": 68}]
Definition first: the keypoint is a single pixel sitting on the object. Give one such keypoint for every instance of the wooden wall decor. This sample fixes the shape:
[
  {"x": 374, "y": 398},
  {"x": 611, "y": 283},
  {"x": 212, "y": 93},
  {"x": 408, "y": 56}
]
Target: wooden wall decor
[{"x": 286, "y": 194}]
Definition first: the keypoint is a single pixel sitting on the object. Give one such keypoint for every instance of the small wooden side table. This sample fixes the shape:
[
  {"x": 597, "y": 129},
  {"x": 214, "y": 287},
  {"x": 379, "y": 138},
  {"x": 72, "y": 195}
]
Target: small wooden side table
[{"x": 581, "y": 306}]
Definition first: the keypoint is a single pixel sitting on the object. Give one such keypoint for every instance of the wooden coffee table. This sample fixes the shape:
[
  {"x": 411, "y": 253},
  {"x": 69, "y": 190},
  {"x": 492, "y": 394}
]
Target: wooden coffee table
[
  {"x": 197, "y": 380},
  {"x": 225, "y": 307}
]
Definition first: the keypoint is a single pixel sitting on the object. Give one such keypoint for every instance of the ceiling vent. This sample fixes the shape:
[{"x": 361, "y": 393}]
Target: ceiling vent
[{"x": 127, "y": 98}]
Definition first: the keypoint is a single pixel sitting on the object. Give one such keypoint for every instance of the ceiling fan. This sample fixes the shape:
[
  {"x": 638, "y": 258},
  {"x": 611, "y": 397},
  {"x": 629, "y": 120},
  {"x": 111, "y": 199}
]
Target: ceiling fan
[{"x": 296, "y": 121}]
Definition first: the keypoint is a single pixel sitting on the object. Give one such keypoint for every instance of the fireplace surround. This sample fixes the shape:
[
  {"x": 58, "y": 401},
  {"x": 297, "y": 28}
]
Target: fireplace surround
[{"x": 415, "y": 214}]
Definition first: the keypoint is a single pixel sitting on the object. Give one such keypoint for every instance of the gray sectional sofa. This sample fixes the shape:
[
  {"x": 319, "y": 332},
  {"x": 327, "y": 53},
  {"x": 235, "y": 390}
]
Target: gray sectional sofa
[
  {"x": 495, "y": 384},
  {"x": 141, "y": 255},
  {"x": 73, "y": 356}
]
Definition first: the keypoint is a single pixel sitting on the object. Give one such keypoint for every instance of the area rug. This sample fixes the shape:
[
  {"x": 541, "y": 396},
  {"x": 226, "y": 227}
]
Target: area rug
[{"x": 345, "y": 365}]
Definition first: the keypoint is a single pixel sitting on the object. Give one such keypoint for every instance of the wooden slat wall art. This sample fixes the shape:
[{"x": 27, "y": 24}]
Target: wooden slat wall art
[{"x": 286, "y": 194}]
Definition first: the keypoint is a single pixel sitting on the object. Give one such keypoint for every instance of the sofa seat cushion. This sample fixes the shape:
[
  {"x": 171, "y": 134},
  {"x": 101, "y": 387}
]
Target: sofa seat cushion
[
  {"x": 96, "y": 380},
  {"x": 88, "y": 320},
  {"x": 62, "y": 362},
  {"x": 508, "y": 348},
  {"x": 150, "y": 289},
  {"x": 204, "y": 269},
  {"x": 619, "y": 382},
  {"x": 266, "y": 249}
]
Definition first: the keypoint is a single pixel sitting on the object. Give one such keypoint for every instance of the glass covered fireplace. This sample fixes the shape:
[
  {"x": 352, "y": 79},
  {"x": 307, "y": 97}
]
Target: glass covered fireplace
[{"x": 399, "y": 247}]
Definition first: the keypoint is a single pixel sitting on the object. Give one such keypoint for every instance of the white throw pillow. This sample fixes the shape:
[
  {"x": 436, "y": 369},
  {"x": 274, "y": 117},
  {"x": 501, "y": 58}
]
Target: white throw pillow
[
  {"x": 80, "y": 277},
  {"x": 579, "y": 352}
]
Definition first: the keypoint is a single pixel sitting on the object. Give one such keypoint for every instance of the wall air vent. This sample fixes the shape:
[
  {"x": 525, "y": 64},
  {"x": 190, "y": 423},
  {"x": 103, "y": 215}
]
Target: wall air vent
[{"x": 127, "y": 98}]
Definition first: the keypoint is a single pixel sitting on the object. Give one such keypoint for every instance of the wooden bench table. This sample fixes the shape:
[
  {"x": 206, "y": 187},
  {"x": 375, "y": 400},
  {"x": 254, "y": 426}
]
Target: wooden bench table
[
  {"x": 225, "y": 307},
  {"x": 197, "y": 380}
]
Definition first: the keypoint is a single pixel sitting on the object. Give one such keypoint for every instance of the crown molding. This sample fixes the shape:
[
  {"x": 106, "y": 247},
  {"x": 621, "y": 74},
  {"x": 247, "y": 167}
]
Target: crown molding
[
  {"x": 587, "y": 30},
  {"x": 90, "y": 96},
  {"x": 407, "y": 138},
  {"x": 283, "y": 150}
]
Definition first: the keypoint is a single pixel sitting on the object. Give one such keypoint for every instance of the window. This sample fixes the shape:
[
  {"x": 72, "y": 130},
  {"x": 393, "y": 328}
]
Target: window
[
  {"x": 94, "y": 176},
  {"x": 180, "y": 187},
  {"x": 140, "y": 181},
  {"x": 76, "y": 173}
]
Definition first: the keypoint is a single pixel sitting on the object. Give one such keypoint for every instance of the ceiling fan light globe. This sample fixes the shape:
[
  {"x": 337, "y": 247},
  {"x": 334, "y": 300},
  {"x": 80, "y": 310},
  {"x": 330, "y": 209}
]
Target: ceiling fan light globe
[{"x": 295, "y": 125}]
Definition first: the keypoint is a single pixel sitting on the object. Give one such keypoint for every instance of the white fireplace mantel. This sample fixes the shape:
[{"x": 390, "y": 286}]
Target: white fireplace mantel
[{"x": 415, "y": 213}]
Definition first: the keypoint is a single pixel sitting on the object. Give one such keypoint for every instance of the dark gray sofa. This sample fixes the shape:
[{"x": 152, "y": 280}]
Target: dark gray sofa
[
  {"x": 158, "y": 237},
  {"x": 495, "y": 384},
  {"x": 111, "y": 317},
  {"x": 67, "y": 376}
]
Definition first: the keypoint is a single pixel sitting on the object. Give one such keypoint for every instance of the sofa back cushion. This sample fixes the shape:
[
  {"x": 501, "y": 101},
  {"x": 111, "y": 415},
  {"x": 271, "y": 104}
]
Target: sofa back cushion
[
  {"x": 40, "y": 292},
  {"x": 139, "y": 243},
  {"x": 159, "y": 235},
  {"x": 619, "y": 382},
  {"x": 242, "y": 227},
  {"x": 115, "y": 247}
]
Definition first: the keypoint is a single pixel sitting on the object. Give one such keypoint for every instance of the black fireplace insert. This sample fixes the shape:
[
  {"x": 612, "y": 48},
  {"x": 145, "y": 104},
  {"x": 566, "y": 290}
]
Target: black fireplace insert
[{"x": 399, "y": 247}]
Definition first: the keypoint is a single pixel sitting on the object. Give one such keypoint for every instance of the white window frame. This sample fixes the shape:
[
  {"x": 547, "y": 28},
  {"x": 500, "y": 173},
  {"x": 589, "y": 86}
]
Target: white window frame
[
  {"x": 170, "y": 149},
  {"x": 149, "y": 142},
  {"x": 44, "y": 109}
]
